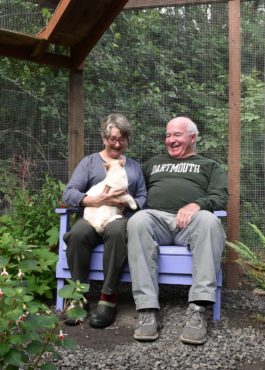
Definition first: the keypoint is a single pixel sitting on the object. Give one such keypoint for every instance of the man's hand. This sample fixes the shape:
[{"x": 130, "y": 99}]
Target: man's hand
[
  {"x": 184, "y": 214},
  {"x": 105, "y": 198}
]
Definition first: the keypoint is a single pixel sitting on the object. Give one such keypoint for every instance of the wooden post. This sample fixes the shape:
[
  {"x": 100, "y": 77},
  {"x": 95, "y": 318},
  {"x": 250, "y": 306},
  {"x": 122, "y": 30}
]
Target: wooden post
[
  {"x": 232, "y": 269},
  {"x": 76, "y": 119}
]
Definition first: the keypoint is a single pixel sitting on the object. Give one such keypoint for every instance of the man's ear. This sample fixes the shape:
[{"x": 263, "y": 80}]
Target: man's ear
[{"x": 194, "y": 137}]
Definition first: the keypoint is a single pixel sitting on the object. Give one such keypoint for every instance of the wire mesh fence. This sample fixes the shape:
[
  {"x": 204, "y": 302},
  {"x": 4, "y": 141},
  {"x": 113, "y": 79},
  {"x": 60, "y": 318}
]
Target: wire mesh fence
[
  {"x": 151, "y": 65},
  {"x": 27, "y": 17}
]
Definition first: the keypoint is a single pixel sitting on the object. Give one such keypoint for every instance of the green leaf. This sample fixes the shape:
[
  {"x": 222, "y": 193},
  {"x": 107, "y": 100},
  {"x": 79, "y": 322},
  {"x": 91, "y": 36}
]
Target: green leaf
[
  {"x": 13, "y": 315},
  {"x": 4, "y": 348},
  {"x": 27, "y": 265},
  {"x": 16, "y": 339},
  {"x": 67, "y": 291},
  {"x": 5, "y": 219},
  {"x": 3, "y": 262},
  {"x": 14, "y": 357},
  {"x": 34, "y": 322},
  {"x": 73, "y": 290},
  {"x": 9, "y": 292},
  {"x": 35, "y": 347},
  {"x": 76, "y": 313},
  {"x": 53, "y": 235},
  {"x": 3, "y": 324}
]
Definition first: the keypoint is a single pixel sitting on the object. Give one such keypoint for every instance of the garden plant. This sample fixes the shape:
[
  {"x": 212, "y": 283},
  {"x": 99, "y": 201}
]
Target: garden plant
[
  {"x": 30, "y": 332},
  {"x": 253, "y": 264}
]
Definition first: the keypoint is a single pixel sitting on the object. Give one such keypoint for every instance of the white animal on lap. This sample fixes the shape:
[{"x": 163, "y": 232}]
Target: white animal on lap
[{"x": 116, "y": 178}]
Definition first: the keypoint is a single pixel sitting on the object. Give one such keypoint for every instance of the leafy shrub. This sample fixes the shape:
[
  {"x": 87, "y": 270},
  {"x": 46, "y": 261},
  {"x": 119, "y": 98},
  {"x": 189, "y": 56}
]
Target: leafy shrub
[
  {"x": 33, "y": 217},
  {"x": 253, "y": 264},
  {"x": 36, "y": 262},
  {"x": 29, "y": 332},
  {"x": 28, "y": 234}
]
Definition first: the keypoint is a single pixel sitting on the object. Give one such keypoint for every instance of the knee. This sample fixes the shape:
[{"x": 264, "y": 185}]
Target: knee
[
  {"x": 208, "y": 222},
  {"x": 79, "y": 233},
  {"x": 115, "y": 230},
  {"x": 207, "y": 218},
  {"x": 137, "y": 221}
]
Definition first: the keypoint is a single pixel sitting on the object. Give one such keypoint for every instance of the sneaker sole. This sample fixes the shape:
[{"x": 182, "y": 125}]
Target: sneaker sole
[
  {"x": 193, "y": 341},
  {"x": 146, "y": 338}
]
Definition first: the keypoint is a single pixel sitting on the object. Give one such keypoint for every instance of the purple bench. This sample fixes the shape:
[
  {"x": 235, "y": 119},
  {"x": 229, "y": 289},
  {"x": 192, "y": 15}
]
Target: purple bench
[{"x": 175, "y": 264}]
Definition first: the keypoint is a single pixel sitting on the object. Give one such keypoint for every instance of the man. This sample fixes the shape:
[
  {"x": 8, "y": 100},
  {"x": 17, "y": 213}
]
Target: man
[{"x": 183, "y": 190}]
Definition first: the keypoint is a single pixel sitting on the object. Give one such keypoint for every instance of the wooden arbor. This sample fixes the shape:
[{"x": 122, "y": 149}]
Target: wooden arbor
[{"x": 77, "y": 25}]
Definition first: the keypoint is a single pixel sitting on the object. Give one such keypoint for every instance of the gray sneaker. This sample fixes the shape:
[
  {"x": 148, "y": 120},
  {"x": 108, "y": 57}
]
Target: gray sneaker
[
  {"x": 147, "y": 326},
  {"x": 195, "y": 327}
]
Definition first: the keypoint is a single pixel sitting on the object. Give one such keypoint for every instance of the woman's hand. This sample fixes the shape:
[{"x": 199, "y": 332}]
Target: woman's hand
[{"x": 105, "y": 198}]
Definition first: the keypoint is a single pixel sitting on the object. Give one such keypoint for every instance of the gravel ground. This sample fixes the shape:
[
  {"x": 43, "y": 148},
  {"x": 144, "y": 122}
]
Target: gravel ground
[{"x": 237, "y": 342}]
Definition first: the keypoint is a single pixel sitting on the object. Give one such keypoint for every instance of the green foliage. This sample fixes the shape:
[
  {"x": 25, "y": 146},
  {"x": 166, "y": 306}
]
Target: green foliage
[
  {"x": 33, "y": 218},
  {"x": 253, "y": 264},
  {"x": 29, "y": 234},
  {"x": 74, "y": 305},
  {"x": 36, "y": 261},
  {"x": 29, "y": 332}
]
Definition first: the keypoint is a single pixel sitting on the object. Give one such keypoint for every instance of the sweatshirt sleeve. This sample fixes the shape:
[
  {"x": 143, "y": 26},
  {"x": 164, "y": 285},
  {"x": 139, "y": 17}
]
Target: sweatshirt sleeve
[{"x": 217, "y": 192}]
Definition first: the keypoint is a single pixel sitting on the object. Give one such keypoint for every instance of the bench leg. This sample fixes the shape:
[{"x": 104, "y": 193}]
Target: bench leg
[
  {"x": 217, "y": 305},
  {"x": 59, "y": 300}
]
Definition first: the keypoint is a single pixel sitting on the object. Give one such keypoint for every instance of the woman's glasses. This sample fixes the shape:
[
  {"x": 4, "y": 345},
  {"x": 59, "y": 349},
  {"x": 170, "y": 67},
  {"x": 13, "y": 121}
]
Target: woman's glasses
[{"x": 113, "y": 140}]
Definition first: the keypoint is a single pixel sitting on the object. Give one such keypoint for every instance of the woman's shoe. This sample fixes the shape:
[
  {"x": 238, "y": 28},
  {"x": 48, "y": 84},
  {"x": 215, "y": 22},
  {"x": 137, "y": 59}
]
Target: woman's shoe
[{"x": 103, "y": 317}]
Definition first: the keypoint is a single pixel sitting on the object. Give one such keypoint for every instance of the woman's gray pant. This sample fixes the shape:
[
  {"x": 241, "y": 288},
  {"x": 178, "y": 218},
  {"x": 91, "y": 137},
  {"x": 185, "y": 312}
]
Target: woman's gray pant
[
  {"x": 204, "y": 236},
  {"x": 80, "y": 241}
]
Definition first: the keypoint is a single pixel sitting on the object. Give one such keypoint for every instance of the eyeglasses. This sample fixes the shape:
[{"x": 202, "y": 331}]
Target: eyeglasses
[{"x": 113, "y": 140}]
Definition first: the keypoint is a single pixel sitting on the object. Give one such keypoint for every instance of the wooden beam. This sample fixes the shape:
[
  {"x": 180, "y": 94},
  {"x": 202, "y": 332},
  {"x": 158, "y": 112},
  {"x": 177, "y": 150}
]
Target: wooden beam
[
  {"x": 55, "y": 20},
  {"x": 60, "y": 61},
  {"x": 81, "y": 50},
  {"x": 233, "y": 140},
  {"x": 140, "y": 4},
  {"x": 76, "y": 119}
]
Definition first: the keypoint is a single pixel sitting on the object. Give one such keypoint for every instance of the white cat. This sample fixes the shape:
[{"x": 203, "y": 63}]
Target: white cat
[{"x": 116, "y": 178}]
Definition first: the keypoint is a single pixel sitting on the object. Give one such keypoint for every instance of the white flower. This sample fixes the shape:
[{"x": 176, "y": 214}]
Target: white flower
[
  {"x": 4, "y": 272},
  {"x": 20, "y": 274},
  {"x": 21, "y": 318}
]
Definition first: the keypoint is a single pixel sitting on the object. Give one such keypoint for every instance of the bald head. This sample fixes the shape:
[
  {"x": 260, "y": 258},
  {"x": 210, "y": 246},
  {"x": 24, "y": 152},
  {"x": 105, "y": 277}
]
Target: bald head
[
  {"x": 181, "y": 136},
  {"x": 190, "y": 125}
]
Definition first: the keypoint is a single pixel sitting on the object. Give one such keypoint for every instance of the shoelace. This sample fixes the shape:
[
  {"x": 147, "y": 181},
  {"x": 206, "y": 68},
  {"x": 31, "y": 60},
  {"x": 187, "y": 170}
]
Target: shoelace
[
  {"x": 146, "y": 318},
  {"x": 195, "y": 318}
]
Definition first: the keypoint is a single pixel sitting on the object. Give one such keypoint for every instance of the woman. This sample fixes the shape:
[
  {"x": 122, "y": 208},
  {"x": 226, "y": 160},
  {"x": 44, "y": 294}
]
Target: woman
[{"x": 82, "y": 238}]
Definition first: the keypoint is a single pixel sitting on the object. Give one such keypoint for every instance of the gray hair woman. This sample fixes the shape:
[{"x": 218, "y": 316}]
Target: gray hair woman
[{"x": 116, "y": 134}]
